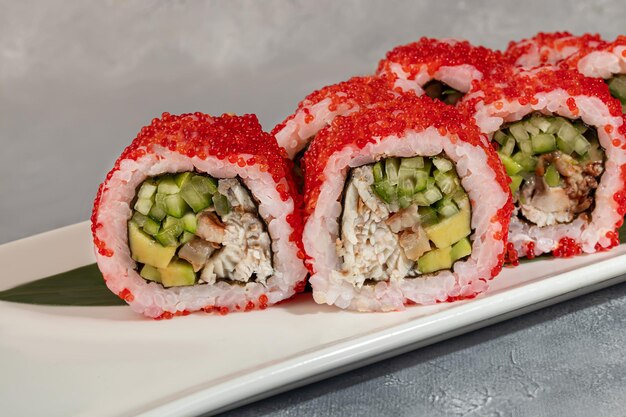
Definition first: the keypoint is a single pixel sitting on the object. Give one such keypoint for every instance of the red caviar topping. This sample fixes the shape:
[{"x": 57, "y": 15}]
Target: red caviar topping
[
  {"x": 608, "y": 129},
  {"x": 566, "y": 248},
  {"x": 525, "y": 86},
  {"x": 249, "y": 306},
  {"x": 550, "y": 47},
  {"x": 263, "y": 301},
  {"x": 357, "y": 91},
  {"x": 616, "y": 142},
  {"x": 126, "y": 295},
  {"x": 432, "y": 54},
  {"x": 511, "y": 256},
  {"x": 530, "y": 250}
]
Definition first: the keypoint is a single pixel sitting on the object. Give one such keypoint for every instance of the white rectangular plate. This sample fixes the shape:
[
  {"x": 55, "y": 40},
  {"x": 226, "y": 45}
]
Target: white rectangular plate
[{"x": 108, "y": 361}]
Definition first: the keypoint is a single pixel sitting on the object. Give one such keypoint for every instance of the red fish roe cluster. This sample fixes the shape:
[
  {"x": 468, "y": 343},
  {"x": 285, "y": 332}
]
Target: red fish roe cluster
[
  {"x": 226, "y": 137},
  {"x": 526, "y": 85},
  {"x": 566, "y": 248},
  {"x": 547, "y": 44},
  {"x": 511, "y": 257},
  {"x": 434, "y": 54},
  {"x": 530, "y": 250},
  {"x": 392, "y": 118},
  {"x": 357, "y": 91}
]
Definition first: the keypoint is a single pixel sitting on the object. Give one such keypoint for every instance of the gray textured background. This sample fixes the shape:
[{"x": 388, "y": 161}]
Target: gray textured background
[{"x": 79, "y": 78}]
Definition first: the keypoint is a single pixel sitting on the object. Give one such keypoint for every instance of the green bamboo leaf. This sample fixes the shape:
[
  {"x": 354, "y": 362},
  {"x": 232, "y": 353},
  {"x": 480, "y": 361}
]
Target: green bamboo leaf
[{"x": 82, "y": 286}]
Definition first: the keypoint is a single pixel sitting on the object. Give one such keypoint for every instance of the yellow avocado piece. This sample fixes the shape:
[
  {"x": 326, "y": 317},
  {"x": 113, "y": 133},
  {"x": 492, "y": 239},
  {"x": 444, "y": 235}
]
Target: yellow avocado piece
[
  {"x": 178, "y": 273},
  {"x": 451, "y": 229},
  {"x": 146, "y": 250},
  {"x": 435, "y": 260}
]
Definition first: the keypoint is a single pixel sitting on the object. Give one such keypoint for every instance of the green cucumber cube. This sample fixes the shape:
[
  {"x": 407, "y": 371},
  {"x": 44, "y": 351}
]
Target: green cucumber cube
[
  {"x": 508, "y": 147},
  {"x": 204, "y": 184},
  {"x": 415, "y": 162},
  {"x": 500, "y": 137},
  {"x": 151, "y": 226},
  {"x": 543, "y": 143},
  {"x": 167, "y": 185},
  {"x": 564, "y": 146},
  {"x": 222, "y": 206},
  {"x": 139, "y": 218},
  {"x": 377, "y": 170},
  {"x": 428, "y": 215},
  {"x": 516, "y": 181},
  {"x": 392, "y": 166},
  {"x": 421, "y": 179},
  {"x": 552, "y": 176},
  {"x": 510, "y": 165},
  {"x": 182, "y": 178},
  {"x": 190, "y": 222},
  {"x": 442, "y": 164},
  {"x": 531, "y": 128},
  {"x": 527, "y": 162},
  {"x": 518, "y": 131},
  {"x": 581, "y": 145},
  {"x": 146, "y": 190},
  {"x": 175, "y": 205},
  {"x": 568, "y": 132},
  {"x": 385, "y": 191},
  {"x": 186, "y": 237},
  {"x": 542, "y": 123},
  {"x": 143, "y": 205}
]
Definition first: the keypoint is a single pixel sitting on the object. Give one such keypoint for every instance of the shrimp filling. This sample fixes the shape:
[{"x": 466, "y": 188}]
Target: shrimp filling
[
  {"x": 555, "y": 166},
  {"x": 190, "y": 228},
  {"x": 403, "y": 217}
]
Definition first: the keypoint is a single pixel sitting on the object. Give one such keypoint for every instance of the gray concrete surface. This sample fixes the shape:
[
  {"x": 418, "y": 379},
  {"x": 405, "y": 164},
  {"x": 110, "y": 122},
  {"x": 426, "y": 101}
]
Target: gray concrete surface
[{"x": 79, "y": 78}]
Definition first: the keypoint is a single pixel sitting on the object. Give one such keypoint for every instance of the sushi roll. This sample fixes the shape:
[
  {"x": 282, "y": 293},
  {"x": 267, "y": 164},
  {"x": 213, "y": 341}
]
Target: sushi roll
[
  {"x": 405, "y": 203},
  {"x": 200, "y": 213},
  {"x": 441, "y": 69},
  {"x": 561, "y": 138},
  {"x": 319, "y": 109},
  {"x": 549, "y": 48}
]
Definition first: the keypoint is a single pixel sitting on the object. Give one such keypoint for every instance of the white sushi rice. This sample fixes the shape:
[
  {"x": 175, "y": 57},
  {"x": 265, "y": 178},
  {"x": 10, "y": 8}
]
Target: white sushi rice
[
  {"x": 604, "y": 63},
  {"x": 151, "y": 298},
  {"x": 467, "y": 277},
  {"x": 297, "y": 132},
  {"x": 459, "y": 77},
  {"x": 593, "y": 112}
]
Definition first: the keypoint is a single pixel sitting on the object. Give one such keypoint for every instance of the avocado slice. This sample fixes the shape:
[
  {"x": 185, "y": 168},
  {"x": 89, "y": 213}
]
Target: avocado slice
[
  {"x": 146, "y": 250},
  {"x": 451, "y": 229},
  {"x": 150, "y": 273},
  {"x": 178, "y": 273},
  {"x": 461, "y": 249},
  {"x": 435, "y": 260}
]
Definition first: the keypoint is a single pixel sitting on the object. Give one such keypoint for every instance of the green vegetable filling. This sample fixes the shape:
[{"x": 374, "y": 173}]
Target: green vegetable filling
[
  {"x": 442, "y": 205},
  {"x": 164, "y": 218}
]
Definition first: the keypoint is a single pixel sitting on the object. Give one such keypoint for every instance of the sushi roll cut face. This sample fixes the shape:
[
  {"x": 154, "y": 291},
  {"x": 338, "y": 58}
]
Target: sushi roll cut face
[
  {"x": 560, "y": 137},
  {"x": 190, "y": 228},
  {"x": 403, "y": 217},
  {"x": 406, "y": 203},
  {"x": 555, "y": 165},
  {"x": 200, "y": 213}
]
